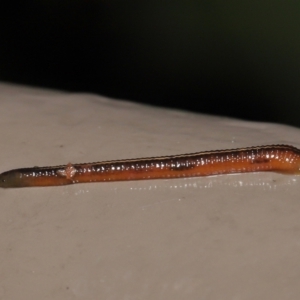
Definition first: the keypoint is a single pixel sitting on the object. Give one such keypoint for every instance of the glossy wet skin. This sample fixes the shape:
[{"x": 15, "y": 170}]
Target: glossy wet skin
[
  {"x": 274, "y": 158},
  {"x": 37, "y": 176},
  {"x": 29, "y": 177}
]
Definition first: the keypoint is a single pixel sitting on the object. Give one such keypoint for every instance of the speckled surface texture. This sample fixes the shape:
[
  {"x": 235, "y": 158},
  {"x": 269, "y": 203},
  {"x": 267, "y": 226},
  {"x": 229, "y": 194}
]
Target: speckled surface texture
[{"x": 223, "y": 237}]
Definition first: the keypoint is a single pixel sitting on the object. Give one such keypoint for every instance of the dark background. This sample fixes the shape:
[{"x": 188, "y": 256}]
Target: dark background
[{"x": 232, "y": 58}]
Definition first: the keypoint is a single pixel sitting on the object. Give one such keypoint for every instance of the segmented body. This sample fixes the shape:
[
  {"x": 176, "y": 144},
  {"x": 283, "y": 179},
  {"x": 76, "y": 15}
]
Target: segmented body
[{"x": 276, "y": 158}]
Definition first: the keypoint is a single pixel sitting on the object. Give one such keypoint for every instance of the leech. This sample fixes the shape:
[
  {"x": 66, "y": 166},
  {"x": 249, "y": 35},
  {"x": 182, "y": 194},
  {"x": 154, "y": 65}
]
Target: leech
[{"x": 275, "y": 158}]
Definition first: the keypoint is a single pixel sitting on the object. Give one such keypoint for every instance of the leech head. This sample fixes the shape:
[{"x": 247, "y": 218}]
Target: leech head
[
  {"x": 69, "y": 171},
  {"x": 10, "y": 179}
]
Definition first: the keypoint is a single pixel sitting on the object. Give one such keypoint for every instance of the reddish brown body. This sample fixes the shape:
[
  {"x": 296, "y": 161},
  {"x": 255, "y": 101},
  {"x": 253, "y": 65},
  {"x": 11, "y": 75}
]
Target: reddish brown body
[{"x": 276, "y": 158}]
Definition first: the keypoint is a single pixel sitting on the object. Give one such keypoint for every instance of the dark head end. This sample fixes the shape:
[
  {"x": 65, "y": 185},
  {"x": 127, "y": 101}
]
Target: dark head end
[{"x": 9, "y": 179}]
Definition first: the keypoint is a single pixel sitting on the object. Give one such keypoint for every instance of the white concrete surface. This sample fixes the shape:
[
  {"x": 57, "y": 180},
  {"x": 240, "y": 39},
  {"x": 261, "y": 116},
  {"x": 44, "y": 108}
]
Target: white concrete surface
[{"x": 227, "y": 237}]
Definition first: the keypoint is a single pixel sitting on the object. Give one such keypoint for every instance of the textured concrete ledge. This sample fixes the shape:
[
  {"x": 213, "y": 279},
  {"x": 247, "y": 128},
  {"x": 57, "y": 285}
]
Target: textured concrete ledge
[{"x": 223, "y": 237}]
